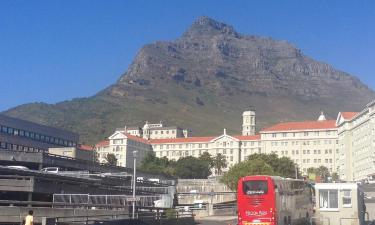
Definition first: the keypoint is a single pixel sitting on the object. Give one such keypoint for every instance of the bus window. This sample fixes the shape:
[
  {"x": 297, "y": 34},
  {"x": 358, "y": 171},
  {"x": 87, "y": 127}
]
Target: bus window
[{"x": 255, "y": 187}]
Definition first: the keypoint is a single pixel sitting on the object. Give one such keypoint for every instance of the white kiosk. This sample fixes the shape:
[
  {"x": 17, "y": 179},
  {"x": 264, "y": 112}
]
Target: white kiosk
[{"x": 339, "y": 203}]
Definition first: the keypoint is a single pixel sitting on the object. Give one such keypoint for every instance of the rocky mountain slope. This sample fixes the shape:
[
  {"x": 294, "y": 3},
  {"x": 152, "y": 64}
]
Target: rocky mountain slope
[{"x": 203, "y": 81}]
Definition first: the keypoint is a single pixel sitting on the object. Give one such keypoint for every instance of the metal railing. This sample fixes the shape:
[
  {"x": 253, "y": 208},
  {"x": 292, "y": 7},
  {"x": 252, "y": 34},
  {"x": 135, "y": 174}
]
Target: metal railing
[
  {"x": 86, "y": 200},
  {"x": 155, "y": 214}
]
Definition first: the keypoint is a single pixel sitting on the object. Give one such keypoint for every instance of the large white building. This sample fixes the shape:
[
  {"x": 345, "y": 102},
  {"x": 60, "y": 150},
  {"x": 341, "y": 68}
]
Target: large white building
[
  {"x": 235, "y": 148},
  {"x": 122, "y": 145},
  {"x": 356, "y": 131},
  {"x": 308, "y": 143},
  {"x": 155, "y": 131}
]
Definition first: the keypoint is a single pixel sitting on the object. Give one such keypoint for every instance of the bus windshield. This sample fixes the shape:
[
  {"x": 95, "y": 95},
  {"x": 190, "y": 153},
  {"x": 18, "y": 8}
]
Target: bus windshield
[{"x": 255, "y": 187}]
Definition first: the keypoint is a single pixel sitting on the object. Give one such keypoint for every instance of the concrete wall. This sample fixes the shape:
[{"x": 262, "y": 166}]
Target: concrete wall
[
  {"x": 190, "y": 190},
  {"x": 72, "y": 152}
]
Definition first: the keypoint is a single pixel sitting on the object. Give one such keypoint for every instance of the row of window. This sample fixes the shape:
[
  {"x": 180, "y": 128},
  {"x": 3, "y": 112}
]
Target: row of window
[
  {"x": 162, "y": 132},
  {"x": 5, "y": 145},
  {"x": 251, "y": 151},
  {"x": 218, "y": 144},
  {"x": 250, "y": 143},
  {"x": 317, "y": 160},
  {"x": 35, "y": 136},
  {"x": 305, "y": 134},
  {"x": 316, "y": 142},
  {"x": 187, "y": 153},
  {"x": 296, "y": 152}
]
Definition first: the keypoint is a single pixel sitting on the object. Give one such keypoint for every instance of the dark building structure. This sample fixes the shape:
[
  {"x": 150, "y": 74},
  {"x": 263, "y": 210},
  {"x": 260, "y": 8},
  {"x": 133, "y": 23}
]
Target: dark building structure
[{"x": 21, "y": 135}]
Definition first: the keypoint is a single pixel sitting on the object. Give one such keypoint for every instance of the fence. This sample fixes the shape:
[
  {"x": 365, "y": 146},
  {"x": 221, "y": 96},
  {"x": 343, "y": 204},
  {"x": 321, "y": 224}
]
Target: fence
[
  {"x": 103, "y": 201},
  {"x": 152, "y": 215}
]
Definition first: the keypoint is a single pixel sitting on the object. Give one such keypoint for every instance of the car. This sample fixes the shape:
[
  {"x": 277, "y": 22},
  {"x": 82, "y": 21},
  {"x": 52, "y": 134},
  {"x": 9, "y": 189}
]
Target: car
[
  {"x": 18, "y": 167},
  {"x": 50, "y": 170}
]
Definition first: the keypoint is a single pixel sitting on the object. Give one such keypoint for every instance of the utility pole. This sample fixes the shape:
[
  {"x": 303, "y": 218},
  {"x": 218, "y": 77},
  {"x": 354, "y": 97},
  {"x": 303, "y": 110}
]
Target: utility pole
[
  {"x": 134, "y": 181},
  {"x": 296, "y": 170}
]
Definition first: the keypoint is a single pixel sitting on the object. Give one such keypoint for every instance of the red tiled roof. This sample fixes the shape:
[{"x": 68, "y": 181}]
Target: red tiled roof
[
  {"x": 85, "y": 147},
  {"x": 306, "y": 125},
  {"x": 182, "y": 140},
  {"x": 247, "y": 138},
  {"x": 135, "y": 138},
  {"x": 102, "y": 143},
  {"x": 348, "y": 115}
]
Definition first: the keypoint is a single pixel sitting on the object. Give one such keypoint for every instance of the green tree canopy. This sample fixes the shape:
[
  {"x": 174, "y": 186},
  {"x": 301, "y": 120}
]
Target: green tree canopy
[
  {"x": 283, "y": 166},
  {"x": 323, "y": 172},
  {"x": 111, "y": 159},
  {"x": 207, "y": 158},
  {"x": 190, "y": 167},
  {"x": 255, "y": 166},
  {"x": 219, "y": 162},
  {"x": 151, "y": 163},
  {"x": 260, "y": 164}
]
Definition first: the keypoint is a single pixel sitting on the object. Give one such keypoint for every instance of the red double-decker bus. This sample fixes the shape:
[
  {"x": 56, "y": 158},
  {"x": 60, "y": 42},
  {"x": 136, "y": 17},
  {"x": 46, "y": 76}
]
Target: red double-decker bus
[{"x": 269, "y": 200}]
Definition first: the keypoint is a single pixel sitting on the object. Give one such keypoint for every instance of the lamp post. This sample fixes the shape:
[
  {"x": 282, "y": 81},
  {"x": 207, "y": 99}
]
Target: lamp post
[{"x": 134, "y": 180}]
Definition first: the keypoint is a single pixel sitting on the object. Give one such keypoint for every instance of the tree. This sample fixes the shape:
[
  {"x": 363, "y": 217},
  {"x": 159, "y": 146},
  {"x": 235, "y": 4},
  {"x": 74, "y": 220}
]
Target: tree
[
  {"x": 323, "y": 172},
  {"x": 192, "y": 168},
  {"x": 335, "y": 176},
  {"x": 260, "y": 164},
  {"x": 311, "y": 170},
  {"x": 111, "y": 159},
  {"x": 283, "y": 166},
  {"x": 249, "y": 167},
  {"x": 151, "y": 163},
  {"x": 219, "y": 162},
  {"x": 207, "y": 158}
]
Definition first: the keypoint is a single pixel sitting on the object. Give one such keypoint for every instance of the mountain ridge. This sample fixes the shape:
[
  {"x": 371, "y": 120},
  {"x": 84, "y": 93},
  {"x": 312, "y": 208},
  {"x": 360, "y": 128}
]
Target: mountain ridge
[{"x": 211, "y": 73}]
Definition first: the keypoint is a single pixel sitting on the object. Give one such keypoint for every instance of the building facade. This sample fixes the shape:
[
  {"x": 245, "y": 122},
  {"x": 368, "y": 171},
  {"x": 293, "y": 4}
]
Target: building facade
[
  {"x": 308, "y": 144},
  {"x": 21, "y": 135},
  {"x": 82, "y": 152},
  {"x": 155, "y": 131},
  {"x": 357, "y": 144},
  {"x": 122, "y": 145},
  {"x": 235, "y": 148},
  {"x": 248, "y": 123}
]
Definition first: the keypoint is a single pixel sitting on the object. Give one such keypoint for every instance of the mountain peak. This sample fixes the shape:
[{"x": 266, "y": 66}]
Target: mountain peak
[{"x": 204, "y": 26}]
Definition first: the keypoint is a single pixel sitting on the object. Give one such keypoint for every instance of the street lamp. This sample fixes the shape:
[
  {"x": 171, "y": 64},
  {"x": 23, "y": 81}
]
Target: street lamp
[{"x": 134, "y": 180}]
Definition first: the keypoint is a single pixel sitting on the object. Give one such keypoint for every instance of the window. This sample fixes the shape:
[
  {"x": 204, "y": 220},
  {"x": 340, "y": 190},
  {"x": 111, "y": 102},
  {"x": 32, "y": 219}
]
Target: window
[
  {"x": 328, "y": 199},
  {"x": 4, "y": 129},
  {"x": 347, "y": 198},
  {"x": 273, "y": 135},
  {"x": 255, "y": 187}
]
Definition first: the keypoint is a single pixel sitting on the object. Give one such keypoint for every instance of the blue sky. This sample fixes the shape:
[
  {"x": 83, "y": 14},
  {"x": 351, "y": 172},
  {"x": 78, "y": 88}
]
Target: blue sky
[{"x": 53, "y": 50}]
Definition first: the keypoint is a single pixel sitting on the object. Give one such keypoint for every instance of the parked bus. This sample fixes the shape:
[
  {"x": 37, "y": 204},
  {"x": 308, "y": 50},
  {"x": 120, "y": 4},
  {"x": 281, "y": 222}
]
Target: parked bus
[{"x": 269, "y": 200}]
